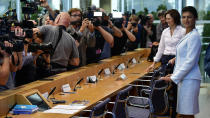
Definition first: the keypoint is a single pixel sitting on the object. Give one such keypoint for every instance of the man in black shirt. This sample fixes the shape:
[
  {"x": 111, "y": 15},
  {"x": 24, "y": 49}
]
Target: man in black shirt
[{"x": 120, "y": 42}]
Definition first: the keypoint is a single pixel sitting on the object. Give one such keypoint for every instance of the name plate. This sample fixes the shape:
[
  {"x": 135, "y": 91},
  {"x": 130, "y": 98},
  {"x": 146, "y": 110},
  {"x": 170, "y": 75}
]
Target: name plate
[
  {"x": 123, "y": 76},
  {"x": 66, "y": 88},
  {"x": 107, "y": 71},
  {"x": 121, "y": 66},
  {"x": 92, "y": 79},
  {"x": 134, "y": 61}
]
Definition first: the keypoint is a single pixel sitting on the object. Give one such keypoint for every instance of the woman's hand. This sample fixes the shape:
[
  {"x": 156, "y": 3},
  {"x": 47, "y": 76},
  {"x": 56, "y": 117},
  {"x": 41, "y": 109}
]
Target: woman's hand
[
  {"x": 151, "y": 67},
  {"x": 166, "y": 78},
  {"x": 172, "y": 61}
]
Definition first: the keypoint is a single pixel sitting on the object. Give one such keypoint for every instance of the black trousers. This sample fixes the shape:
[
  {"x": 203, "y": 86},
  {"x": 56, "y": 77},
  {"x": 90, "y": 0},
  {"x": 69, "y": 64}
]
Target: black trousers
[{"x": 172, "y": 92}]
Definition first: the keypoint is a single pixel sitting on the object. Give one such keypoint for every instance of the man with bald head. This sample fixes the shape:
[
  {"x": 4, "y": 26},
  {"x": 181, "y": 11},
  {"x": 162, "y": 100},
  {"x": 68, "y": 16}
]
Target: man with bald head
[{"x": 65, "y": 49}]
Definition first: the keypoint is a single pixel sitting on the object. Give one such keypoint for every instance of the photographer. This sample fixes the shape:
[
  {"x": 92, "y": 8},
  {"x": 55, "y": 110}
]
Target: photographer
[
  {"x": 64, "y": 51},
  {"x": 150, "y": 29},
  {"x": 10, "y": 63},
  {"x": 159, "y": 28},
  {"x": 162, "y": 25},
  {"x": 120, "y": 42},
  {"x": 83, "y": 32},
  {"x": 5, "y": 65},
  {"x": 52, "y": 14},
  {"x": 104, "y": 40},
  {"x": 136, "y": 29},
  {"x": 48, "y": 21}
]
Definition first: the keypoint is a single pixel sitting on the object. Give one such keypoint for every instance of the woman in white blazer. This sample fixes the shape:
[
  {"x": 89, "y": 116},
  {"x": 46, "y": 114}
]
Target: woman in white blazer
[{"x": 186, "y": 72}]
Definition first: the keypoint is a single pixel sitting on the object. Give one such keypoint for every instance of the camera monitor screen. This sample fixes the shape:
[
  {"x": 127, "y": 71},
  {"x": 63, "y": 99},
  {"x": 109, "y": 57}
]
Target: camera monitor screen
[
  {"x": 97, "y": 14},
  {"x": 117, "y": 15},
  {"x": 35, "y": 99}
]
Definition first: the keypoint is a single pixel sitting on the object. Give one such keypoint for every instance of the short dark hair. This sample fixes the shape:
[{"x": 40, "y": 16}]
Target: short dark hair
[
  {"x": 191, "y": 10},
  {"x": 175, "y": 15},
  {"x": 74, "y": 10},
  {"x": 161, "y": 13}
]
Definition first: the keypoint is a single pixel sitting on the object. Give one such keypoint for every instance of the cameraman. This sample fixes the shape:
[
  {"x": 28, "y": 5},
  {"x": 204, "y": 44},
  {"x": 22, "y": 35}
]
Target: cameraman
[
  {"x": 9, "y": 65},
  {"x": 64, "y": 51},
  {"x": 136, "y": 29},
  {"x": 5, "y": 65},
  {"x": 150, "y": 29},
  {"x": 52, "y": 13},
  {"x": 104, "y": 40},
  {"x": 83, "y": 32},
  {"x": 121, "y": 41}
]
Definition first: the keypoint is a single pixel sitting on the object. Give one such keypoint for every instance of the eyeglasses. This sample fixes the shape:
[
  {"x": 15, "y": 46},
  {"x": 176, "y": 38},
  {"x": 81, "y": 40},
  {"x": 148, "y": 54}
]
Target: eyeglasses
[{"x": 79, "y": 15}]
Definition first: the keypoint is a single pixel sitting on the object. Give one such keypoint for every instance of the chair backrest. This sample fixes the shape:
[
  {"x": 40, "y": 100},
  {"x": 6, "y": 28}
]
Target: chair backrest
[
  {"x": 159, "y": 98},
  {"x": 120, "y": 102},
  {"x": 168, "y": 69},
  {"x": 157, "y": 74},
  {"x": 100, "y": 109}
]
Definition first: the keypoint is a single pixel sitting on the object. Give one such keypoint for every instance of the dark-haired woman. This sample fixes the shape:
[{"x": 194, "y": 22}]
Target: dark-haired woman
[
  {"x": 169, "y": 39},
  {"x": 186, "y": 72}
]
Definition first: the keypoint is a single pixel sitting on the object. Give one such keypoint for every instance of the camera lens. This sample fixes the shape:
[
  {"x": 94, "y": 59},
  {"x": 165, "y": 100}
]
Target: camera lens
[{"x": 134, "y": 24}]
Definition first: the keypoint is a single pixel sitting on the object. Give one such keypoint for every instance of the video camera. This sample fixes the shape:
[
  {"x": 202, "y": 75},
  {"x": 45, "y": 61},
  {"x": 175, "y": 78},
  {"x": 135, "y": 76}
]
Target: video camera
[
  {"x": 92, "y": 16},
  {"x": 30, "y": 7},
  {"x": 6, "y": 34},
  {"x": 17, "y": 45},
  {"x": 46, "y": 48},
  {"x": 144, "y": 19},
  {"x": 117, "y": 19}
]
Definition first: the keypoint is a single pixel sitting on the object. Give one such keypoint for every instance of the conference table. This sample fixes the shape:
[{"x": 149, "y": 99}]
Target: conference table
[{"x": 106, "y": 86}]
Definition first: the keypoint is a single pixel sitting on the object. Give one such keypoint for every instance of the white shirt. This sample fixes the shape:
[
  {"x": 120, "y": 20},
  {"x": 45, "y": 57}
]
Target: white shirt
[{"x": 167, "y": 45}]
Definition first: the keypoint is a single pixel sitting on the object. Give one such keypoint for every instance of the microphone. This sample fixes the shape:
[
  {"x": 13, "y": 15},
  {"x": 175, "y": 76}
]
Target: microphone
[
  {"x": 129, "y": 61},
  {"x": 140, "y": 58},
  {"x": 51, "y": 92},
  {"x": 100, "y": 71},
  {"x": 115, "y": 68},
  {"x": 78, "y": 82},
  {"x": 53, "y": 99}
]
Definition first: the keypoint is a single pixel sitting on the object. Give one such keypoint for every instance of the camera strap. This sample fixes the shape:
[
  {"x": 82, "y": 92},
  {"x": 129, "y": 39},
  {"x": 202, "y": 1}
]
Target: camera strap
[{"x": 58, "y": 40}]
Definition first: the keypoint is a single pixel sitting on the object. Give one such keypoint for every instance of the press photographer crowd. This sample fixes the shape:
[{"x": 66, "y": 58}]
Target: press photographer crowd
[{"x": 61, "y": 41}]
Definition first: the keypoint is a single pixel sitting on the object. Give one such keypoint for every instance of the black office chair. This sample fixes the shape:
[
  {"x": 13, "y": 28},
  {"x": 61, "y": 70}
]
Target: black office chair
[
  {"x": 150, "y": 77},
  {"x": 157, "y": 102},
  {"x": 120, "y": 103},
  {"x": 98, "y": 111}
]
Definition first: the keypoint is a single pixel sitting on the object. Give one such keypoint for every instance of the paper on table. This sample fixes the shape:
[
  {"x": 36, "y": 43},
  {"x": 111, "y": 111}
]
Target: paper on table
[
  {"x": 61, "y": 111},
  {"x": 73, "y": 107}
]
